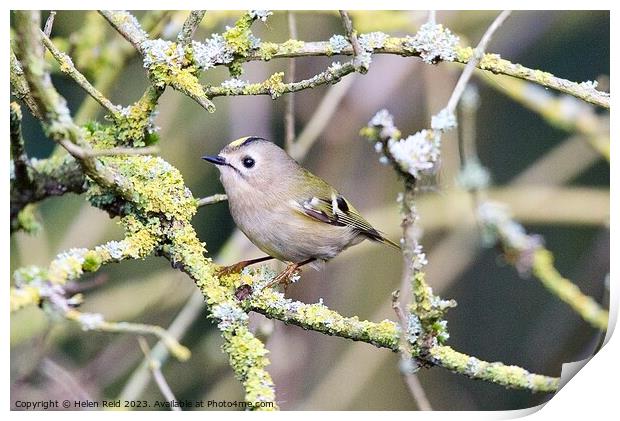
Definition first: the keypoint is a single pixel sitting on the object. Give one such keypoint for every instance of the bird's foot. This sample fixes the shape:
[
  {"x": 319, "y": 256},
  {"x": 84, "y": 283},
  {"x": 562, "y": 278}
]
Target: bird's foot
[
  {"x": 286, "y": 277},
  {"x": 232, "y": 269}
]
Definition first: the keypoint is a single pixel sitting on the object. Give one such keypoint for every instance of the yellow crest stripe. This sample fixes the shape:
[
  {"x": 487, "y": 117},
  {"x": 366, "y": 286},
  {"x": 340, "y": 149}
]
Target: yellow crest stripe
[{"x": 238, "y": 142}]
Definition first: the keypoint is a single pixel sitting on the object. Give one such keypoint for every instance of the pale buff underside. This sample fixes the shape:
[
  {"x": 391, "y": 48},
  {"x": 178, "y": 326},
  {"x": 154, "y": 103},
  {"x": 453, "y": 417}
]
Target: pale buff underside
[{"x": 275, "y": 227}]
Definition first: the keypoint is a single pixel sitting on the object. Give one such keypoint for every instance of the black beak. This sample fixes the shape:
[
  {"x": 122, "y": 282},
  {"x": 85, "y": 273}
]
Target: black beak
[{"x": 217, "y": 160}]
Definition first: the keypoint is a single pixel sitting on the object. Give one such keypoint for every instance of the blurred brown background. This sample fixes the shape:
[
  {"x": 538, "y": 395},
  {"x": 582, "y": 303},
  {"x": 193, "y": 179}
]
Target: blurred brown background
[{"x": 500, "y": 316}]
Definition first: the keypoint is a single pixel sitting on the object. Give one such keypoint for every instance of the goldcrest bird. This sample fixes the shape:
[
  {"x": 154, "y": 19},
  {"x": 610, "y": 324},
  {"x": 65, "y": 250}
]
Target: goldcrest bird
[{"x": 286, "y": 211}]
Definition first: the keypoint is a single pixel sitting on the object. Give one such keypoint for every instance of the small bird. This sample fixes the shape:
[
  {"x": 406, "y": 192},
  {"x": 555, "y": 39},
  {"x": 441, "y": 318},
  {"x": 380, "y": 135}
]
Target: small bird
[{"x": 286, "y": 211}]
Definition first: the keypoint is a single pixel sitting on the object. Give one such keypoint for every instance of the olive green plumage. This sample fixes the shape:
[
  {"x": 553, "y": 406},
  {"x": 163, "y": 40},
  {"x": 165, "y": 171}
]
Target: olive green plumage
[{"x": 284, "y": 209}]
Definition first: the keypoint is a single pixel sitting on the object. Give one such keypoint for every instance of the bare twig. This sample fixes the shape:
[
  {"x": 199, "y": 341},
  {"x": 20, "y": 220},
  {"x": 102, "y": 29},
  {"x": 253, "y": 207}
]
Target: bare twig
[
  {"x": 158, "y": 376},
  {"x": 189, "y": 26},
  {"x": 66, "y": 66},
  {"x": 475, "y": 60},
  {"x": 360, "y": 65},
  {"x": 210, "y": 200},
  {"x": 47, "y": 30},
  {"x": 289, "y": 114},
  {"x": 321, "y": 116}
]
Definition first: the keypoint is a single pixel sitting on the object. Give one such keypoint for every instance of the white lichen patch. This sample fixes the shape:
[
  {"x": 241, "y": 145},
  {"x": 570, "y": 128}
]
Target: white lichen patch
[
  {"x": 417, "y": 154},
  {"x": 443, "y": 121},
  {"x": 338, "y": 43},
  {"x": 419, "y": 259},
  {"x": 473, "y": 176},
  {"x": 261, "y": 15},
  {"x": 213, "y": 51},
  {"x": 159, "y": 51},
  {"x": 90, "y": 321},
  {"x": 434, "y": 43},
  {"x": 234, "y": 83},
  {"x": 473, "y": 367},
  {"x": 228, "y": 315},
  {"x": 116, "y": 249},
  {"x": 414, "y": 328},
  {"x": 372, "y": 40},
  {"x": 385, "y": 121}
]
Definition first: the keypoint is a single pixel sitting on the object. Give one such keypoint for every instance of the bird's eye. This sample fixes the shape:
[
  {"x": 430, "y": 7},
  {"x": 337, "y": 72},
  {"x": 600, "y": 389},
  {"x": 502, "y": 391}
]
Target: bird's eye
[{"x": 248, "y": 162}]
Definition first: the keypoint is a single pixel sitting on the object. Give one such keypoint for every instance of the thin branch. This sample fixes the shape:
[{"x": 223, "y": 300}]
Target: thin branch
[
  {"x": 411, "y": 380},
  {"x": 90, "y": 321},
  {"x": 210, "y": 200},
  {"x": 110, "y": 70},
  {"x": 67, "y": 67},
  {"x": 21, "y": 88},
  {"x": 158, "y": 376},
  {"x": 138, "y": 381},
  {"x": 127, "y": 25},
  {"x": 47, "y": 30},
  {"x": 490, "y": 62},
  {"x": 359, "y": 64},
  {"x": 189, "y": 26},
  {"x": 321, "y": 116},
  {"x": 277, "y": 88},
  {"x": 474, "y": 61},
  {"x": 148, "y": 150},
  {"x": 289, "y": 113}
]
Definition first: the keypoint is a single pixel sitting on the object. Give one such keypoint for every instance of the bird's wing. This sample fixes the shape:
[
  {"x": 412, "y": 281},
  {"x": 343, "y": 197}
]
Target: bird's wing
[{"x": 336, "y": 210}]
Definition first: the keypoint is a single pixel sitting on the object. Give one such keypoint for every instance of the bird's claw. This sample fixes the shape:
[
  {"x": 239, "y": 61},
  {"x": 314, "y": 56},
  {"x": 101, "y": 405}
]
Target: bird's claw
[
  {"x": 284, "y": 277},
  {"x": 229, "y": 270}
]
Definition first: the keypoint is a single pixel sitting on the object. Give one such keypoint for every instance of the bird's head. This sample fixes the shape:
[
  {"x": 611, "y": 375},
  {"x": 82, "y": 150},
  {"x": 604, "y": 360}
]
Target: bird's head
[{"x": 252, "y": 163}]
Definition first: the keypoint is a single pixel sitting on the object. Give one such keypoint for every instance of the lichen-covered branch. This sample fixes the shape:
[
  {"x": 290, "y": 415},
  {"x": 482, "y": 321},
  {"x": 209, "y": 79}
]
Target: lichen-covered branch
[
  {"x": 189, "y": 26},
  {"x": 384, "y": 334},
  {"x": 58, "y": 123},
  {"x": 275, "y": 87},
  {"x": 111, "y": 59},
  {"x": 67, "y": 66},
  {"x": 47, "y": 178},
  {"x": 20, "y": 87},
  {"x": 402, "y": 46}
]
